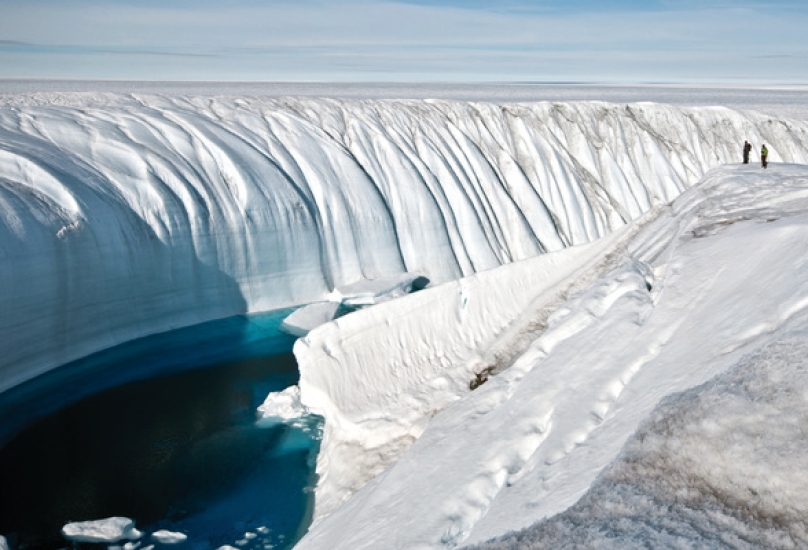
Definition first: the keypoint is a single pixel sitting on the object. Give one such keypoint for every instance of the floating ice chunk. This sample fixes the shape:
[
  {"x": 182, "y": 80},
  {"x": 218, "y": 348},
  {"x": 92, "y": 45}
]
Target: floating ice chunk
[
  {"x": 169, "y": 537},
  {"x": 284, "y": 405},
  {"x": 309, "y": 317},
  {"x": 227, "y": 547},
  {"x": 372, "y": 291},
  {"x": 111, "y": 529},
  {"x": 3, "y": 543}
]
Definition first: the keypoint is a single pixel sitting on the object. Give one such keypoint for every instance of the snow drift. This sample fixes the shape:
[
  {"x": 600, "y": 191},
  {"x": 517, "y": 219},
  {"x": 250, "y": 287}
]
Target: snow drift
[{"x": 127, "y": 215}]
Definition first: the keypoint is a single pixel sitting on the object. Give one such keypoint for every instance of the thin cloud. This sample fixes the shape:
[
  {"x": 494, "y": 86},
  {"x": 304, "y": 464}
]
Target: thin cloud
[{"x": 311, "y": 39}]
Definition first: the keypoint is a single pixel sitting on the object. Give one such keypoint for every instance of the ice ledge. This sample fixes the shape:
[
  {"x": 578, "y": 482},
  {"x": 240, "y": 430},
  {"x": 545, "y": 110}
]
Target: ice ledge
[
  {"x": 363, "y": 293},
  {"x": 367, "y": 292}
]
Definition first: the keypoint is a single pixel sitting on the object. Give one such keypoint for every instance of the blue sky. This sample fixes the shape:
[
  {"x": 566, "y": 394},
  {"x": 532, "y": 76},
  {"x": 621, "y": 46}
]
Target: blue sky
[{"x": 619, "y": 41}]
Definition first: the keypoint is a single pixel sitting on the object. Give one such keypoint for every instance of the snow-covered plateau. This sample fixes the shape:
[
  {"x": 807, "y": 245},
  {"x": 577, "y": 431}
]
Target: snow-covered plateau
[{"x": 588, "y": 261}]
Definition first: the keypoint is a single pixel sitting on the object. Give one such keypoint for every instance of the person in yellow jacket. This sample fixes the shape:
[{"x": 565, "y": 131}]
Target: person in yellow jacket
[{"x": 763, "y": 154}]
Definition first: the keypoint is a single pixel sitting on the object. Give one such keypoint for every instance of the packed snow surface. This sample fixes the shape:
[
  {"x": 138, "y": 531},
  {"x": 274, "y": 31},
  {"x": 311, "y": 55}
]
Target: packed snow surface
[
  {"x": 112, "y": 529},
  {"x": 719, "y": 466},
  {"x": 707, "y": 296}
]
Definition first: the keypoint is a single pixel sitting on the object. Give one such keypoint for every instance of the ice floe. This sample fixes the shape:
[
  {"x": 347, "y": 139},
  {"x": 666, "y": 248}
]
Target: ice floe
[{"x": 113, "y": 529}]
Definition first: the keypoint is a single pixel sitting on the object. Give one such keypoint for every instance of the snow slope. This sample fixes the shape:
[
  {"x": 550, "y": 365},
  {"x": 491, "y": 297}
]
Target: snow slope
[
  {"x": 123, "y": 215},
  {"x": 719, "y": 466},
  {"x": 714, "y": 283}
]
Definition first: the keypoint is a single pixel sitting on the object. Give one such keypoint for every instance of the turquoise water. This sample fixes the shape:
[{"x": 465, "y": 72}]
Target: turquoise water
[{"x": 162, "y": 430}]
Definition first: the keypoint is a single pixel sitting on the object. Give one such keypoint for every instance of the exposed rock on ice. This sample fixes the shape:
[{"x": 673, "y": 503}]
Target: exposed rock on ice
[
  {"x": 112, "y": 529},
  {"x": 132, "y": 215}
]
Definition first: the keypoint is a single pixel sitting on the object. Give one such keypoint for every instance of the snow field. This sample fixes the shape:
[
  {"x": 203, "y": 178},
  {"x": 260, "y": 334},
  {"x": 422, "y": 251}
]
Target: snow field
[
  {"x": 124, "y": 215},
  {"x": 705, "y": 281},
  {"x": 717, "y": 466}
]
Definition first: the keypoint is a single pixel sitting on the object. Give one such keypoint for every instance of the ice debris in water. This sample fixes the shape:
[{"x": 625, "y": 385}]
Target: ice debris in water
[
  {"x": 169, "y": 537},
  {"x": 284, "y": 405},
  {"x": 112, "y": 529}
]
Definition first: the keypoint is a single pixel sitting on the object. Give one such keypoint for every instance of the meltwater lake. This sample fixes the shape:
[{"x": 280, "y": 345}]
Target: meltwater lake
[{"x": 162, "y": 430}]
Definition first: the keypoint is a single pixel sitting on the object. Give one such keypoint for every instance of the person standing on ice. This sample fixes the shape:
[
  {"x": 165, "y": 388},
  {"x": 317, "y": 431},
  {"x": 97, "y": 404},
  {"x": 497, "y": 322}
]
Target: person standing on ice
[
  {"x": 763, "y": 154},
  {"x": 747, "y": 148}
]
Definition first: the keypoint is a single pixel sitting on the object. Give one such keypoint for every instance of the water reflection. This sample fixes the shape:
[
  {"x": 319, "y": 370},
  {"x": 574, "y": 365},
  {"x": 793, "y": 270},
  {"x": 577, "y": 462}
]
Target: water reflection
[{"x": 179, "y": 450}]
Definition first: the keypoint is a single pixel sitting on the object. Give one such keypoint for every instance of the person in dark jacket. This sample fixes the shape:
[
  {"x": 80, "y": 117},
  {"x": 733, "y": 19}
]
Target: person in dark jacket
[
  {"x": 747, "y": 148},
  {"x": 763, "y": 154}
]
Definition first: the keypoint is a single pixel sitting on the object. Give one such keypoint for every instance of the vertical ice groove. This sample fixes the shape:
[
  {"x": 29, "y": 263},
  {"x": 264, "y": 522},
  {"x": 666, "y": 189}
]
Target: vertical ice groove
[
  {"x": 518, "y": 238},
  {"x": 444, "y": 161},
  {"x": 141, "y": 212},
  {"x": 446, "y": 238},
  {"x": 368, "y": 142},
  {"x": 481, "y": 148}
]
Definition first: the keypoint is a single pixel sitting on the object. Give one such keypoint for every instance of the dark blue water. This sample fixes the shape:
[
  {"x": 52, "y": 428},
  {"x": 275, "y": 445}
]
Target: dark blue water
[{"x": 162, "y": 430}]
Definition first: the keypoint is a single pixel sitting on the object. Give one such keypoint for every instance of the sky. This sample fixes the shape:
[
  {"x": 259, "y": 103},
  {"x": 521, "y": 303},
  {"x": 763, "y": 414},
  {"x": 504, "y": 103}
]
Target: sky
[{"x": 620, "y": 41}]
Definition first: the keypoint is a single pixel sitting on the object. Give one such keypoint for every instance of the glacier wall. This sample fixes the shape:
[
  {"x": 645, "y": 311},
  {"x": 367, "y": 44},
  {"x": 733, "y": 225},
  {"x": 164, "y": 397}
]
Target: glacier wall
[{"x": 123, "y": 215}]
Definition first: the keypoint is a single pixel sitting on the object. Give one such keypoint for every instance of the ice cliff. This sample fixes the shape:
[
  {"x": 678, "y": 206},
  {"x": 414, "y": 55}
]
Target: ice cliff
[{"x": 126, "y": 215}]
